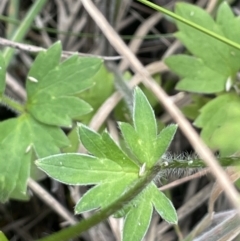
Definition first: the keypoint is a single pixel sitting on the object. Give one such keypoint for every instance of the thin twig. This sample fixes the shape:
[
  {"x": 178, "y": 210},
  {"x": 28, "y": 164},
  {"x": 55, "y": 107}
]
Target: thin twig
[{"x": 35, "y": 49}]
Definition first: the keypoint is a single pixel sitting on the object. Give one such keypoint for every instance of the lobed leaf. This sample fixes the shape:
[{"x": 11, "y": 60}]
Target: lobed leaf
[
  {"x": 114, "y": 172},
  {"x": 52, "y": 88},
  {"x": 216, "y": 62},
  {"x": 214, "y": 53},
  {"x": 196, "y": 75},
  {"x": 26, "y": 135}
]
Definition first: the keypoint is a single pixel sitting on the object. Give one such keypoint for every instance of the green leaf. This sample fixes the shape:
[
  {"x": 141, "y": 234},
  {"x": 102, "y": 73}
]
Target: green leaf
[
  {"x": 45, "y": 62},
  {"x": 163, "y": 141},
  {"x": 134, "y": 142},
  {"x": 140, "y": 139},
  {"x": 114, "y": 172},
  {"x": 218, "y": 117},
  {"x": 2, "y": 74},
  {"x": 163, "y": 205},
  {"x": 104, "y": 147},
  {"x": 137, "y": 221},
  {"x": 226, "y": 18},
  {"x": 147, "y": 146},
  {"x": 12, "y": 156},
  {"x": 139, "y": 212},
  {"x": 104, "y": 194},
  {"x": 63, "y": 110},
  {"x": 51, "y": 93},
  {"x": 80, "y": 169},
  {"x": 196, "y": 75},
  {"x": 143, "y": 117},
  {"x": 19, "y": 137},
  {"x": 46, "y": 140},
  {"x": 214, "y": 53},
  {"x": 113, "y": 152},
  {"x": 20, "y": 191},
  {"x": 215, "y": 61}
]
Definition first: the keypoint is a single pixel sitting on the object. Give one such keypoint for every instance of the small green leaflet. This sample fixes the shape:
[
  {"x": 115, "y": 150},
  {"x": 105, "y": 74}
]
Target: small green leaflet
[
  {"x": 219, "y": 120},
  {"x": 52, "y": 86},
  {"x": 113, "y": 172},
  {"x": 213, "y": 62},
  {"x": 25, "y": 134}
]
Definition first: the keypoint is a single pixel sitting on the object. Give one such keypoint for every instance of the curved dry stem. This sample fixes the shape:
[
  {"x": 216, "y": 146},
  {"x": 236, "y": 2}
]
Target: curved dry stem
[{"x": 35, "y": 49}]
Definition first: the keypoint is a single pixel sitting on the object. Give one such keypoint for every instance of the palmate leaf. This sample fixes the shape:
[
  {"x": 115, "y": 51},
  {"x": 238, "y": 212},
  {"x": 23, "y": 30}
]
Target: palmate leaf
[
  {"x": 51, "y": 102},
  {"x": 52, "y": 86},
  {"x": 26, "y": 135},
  {"x": 115, "y": 173},
  {"x": 214, "y": 62}
]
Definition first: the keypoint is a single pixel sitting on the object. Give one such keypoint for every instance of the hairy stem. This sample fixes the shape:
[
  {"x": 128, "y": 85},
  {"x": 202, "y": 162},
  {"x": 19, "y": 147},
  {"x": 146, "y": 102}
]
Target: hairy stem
[
  {"x": 197, "y": 163},
  {"x": 12, "y": 104}
]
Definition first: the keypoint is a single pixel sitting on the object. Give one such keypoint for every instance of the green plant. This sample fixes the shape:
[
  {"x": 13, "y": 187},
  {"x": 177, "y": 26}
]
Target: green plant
[
  {"x": 51, "y": 103},
  {"x": 128, "y": 178},
  {"x": 124, "y": 184},
  {"x": 115, "y": 173}
]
